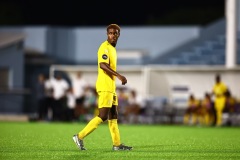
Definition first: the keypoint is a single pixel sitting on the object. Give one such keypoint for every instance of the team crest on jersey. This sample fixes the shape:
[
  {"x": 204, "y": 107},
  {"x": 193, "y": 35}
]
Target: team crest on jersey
[{"x": 104, "y": 56}]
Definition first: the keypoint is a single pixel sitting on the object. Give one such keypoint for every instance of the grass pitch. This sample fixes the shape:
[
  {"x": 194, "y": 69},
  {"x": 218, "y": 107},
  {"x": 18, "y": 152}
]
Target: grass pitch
[{"x": 35, "y": 140}]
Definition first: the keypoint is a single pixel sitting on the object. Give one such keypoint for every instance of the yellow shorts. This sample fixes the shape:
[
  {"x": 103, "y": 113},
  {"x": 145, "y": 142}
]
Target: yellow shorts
[
  {"x": 107, "y": 99},
  {"x": 220, "y": 103}
]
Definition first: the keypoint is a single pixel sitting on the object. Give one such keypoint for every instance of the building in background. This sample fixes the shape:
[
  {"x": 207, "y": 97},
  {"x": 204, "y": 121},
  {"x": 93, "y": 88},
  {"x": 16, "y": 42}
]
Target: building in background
[{"x": 12, "y": 89}]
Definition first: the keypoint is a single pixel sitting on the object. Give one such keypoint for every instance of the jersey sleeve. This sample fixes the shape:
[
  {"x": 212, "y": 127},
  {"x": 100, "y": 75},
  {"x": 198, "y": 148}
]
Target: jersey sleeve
[
  {"x": 224, "y": 88},
  {"x": 103, "y": 55}
]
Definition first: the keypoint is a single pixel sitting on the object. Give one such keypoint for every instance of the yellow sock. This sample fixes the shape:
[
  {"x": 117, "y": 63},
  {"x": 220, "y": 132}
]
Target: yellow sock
[
  {"x": 194, "y": 119},
  {"x": 186, "y": 119},
  {"x": 91, "y": 126},
  {"x": 219, "y": 118},
  {"x": 113, "y": 127},
  {"x": 207, "y": 119}
]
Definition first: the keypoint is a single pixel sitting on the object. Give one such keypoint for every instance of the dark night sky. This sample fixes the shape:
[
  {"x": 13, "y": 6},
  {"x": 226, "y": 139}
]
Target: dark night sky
[{"x": 97, "y": 13}]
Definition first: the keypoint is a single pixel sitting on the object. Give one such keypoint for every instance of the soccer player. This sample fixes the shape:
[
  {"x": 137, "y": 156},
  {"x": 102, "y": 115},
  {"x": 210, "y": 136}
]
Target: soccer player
[
  {"x": 192, "y": 110},
  {"x": 106, "y": 89},
  {"x": 206, "y": 110},
  {"x": 219, "y": 89}
]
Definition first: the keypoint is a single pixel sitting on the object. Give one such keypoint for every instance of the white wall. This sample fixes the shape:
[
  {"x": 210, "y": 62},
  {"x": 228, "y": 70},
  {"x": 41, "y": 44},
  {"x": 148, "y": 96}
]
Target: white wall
[
  {"x": 158, "y": 81},
  {"x": 134, "y": 75},
  {"x": 199, "y": 79}
]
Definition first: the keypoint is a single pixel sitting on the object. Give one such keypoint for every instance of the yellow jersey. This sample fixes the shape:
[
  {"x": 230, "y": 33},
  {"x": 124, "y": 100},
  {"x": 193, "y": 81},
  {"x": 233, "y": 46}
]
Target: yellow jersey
[
  {"x": 219, "y": 89},
  {"x": 106, "y": 53},
  {"x": 206, "y": 103},
  {"x": 193, "y": 103}
]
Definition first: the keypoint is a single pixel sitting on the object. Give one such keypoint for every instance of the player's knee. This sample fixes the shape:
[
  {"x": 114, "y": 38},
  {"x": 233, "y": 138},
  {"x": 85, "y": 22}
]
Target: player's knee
[{"x": 103, "y": 117}]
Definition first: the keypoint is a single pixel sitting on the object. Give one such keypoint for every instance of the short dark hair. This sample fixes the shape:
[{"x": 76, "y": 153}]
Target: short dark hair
[{"x": 115, "y": 26}]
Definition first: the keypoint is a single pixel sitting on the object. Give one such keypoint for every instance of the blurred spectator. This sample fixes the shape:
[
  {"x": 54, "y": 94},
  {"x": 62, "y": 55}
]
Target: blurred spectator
[
  {"x": 41, "y": 97},
  {"x": 79, "y": 89},
  {"x": 60, "y": 87},
  {"x": 71, "y": 104},
  {"x": 230, "y": 107},
  {"x": 191, "y": 114},
  {"x": 219, "y": 89},
  {"x": 230, "y": 102},
  {"x": 49, "y": 98},
  {"x": 206, "y": 110},
  {"x": 90, "y": 103},
  {"x": 237, "y": 107},
  {"x": 135, "y": 103},
  {"x": 122, "y": 104}
]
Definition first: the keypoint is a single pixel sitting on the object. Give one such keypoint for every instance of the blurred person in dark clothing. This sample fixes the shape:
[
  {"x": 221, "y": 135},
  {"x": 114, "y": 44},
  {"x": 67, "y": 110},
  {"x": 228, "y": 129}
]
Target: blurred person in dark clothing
[
  {"x": 60, "y": 87},
  {"x": 230, "y": 102},
  {"x": 41, "y": 97},
  {"x": 49, "y": 98},
  {"x": 230, "y": 107},
  {"x": 71, "y": 104}
]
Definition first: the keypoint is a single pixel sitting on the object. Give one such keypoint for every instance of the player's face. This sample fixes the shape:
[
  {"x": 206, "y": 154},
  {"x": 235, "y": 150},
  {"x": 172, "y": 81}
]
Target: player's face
[{"x": 113, "y": 35}]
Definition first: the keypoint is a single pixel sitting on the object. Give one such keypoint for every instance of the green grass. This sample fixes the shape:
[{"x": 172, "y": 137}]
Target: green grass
[{"x": 34, "y": 140}]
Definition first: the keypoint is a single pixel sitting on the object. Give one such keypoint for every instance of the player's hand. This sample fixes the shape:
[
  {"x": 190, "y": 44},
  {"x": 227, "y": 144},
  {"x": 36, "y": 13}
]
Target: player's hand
[{"x": 123, "y": 79}]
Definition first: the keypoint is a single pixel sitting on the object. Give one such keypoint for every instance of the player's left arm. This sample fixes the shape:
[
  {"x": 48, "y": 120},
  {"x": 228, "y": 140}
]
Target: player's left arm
[{"x": 105, "y": 66}]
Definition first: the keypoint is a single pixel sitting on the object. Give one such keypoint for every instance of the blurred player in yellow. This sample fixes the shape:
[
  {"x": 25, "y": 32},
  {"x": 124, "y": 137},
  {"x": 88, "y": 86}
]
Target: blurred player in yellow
[
  {"x": 219, "y": 90},
  {"x": 192, "y": 111},
  {"x": 106, "y": 89},
  {"x": 205, "y": 110}
]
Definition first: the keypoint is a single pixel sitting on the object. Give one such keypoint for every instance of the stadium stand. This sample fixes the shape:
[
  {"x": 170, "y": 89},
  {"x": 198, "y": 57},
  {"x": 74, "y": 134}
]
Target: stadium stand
[{"x": 208, "y": 49}]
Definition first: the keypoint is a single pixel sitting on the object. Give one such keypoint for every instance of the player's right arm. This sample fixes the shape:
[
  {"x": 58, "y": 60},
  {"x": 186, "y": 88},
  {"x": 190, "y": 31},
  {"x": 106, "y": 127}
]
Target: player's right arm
[{"x": 105, "y": 66}]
